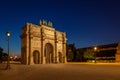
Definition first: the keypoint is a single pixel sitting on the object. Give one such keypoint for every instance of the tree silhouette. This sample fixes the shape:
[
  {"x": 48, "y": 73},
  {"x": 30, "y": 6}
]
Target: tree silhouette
[
  {"x": 89, "y": 54},
  {"x": 70, "y": 55},
  {"x": 1, "y": 54}
]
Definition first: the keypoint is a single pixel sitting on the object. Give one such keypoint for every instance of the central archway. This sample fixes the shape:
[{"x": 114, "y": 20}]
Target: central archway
[{"x": 48, "y": 53}]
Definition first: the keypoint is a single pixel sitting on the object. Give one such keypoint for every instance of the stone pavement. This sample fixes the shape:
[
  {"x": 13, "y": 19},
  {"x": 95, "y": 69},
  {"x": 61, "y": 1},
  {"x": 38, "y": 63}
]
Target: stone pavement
[{"x": 68, "y": 71}]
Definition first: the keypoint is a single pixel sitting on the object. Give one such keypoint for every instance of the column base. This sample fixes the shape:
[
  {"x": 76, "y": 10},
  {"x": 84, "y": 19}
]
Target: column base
[
  {"x": 56, "y": 60},
  {"x": 65, "y": 60},
  {"x": 44, "y": 60}
]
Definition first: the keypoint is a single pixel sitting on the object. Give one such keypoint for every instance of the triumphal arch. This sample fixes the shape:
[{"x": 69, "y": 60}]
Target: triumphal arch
[{"x": 42, "y": 44}]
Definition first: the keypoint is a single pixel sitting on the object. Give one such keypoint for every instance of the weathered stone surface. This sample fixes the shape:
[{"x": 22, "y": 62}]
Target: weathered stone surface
[{"x": 42, "y": 44}]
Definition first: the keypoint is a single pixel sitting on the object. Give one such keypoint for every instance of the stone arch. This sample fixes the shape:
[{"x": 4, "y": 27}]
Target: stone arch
[
  {"x": 36, "y": 57},
  {"x": 48, "y": 53},
  {"x": 60, "y": 57}
]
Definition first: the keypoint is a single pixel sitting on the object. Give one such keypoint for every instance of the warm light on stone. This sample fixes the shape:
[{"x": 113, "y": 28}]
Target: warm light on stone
[{"x": 42, "y": 44}]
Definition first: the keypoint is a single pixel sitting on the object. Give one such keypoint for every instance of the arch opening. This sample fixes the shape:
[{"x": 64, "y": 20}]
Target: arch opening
[
  {"x": 36, "y": 58},
  {"x": 48, "y": 53}
]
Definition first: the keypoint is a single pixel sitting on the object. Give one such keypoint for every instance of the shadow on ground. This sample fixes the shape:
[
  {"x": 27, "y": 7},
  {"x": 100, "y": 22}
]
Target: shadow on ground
[{"x": 3, "y": 66}]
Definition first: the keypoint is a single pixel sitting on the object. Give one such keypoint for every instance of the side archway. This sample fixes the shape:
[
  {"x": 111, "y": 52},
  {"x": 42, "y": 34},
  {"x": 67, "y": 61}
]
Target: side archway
[{"x": 36, "y": 58}]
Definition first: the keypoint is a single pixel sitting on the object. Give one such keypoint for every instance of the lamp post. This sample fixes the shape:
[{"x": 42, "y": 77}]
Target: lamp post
[
  {"x": 8, "y": 60},
  {"x": 95, "y": 49}
]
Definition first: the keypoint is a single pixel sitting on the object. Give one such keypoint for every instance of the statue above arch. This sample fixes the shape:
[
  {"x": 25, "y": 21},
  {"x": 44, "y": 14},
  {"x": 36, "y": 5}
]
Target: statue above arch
[{"x": 49, "y": 23}]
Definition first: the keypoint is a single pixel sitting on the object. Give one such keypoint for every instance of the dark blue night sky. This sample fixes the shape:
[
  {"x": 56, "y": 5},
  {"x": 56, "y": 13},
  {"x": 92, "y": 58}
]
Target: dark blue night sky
[{"x": 86, "y": 22}]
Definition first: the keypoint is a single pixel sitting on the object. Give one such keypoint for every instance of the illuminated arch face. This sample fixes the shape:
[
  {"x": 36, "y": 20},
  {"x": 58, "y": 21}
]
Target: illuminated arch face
[{"x": 42, "y": 45}]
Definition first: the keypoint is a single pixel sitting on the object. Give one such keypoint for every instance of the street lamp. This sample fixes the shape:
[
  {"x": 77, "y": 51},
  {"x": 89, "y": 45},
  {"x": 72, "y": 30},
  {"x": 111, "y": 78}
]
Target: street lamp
[
  {"x": 95, "y": 49},
  {"x": 8, "y": 60}
]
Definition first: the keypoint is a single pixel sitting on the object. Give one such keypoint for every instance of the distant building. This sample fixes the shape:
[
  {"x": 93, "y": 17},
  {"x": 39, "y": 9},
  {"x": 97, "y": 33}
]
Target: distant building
[
  {"x": 104, "y": 52},
  {"x": 118, "y": 53},
  {"x": 42, "y": 44}
]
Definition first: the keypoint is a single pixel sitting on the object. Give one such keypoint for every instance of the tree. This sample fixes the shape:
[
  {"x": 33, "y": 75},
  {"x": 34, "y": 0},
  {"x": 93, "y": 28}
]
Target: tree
[
  {"x": 79, "y": 55},
  {"x": 89, "y": 54},
  {"x": 1, "y": 54},
  {"x": 70, "y": 55},
  {"x": 4, "y": 57},
  {"x": 71, "y": 52}
]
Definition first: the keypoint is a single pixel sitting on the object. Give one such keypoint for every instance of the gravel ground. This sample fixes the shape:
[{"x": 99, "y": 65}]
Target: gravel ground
[{"x": 60, "y": 72}]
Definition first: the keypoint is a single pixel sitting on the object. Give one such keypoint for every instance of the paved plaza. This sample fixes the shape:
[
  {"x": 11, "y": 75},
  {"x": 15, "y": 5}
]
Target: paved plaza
[{"x": 76, "y": 71}]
